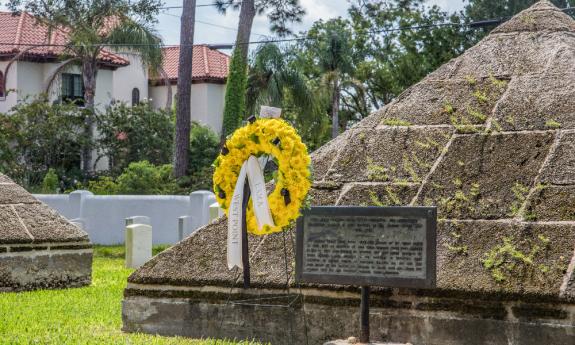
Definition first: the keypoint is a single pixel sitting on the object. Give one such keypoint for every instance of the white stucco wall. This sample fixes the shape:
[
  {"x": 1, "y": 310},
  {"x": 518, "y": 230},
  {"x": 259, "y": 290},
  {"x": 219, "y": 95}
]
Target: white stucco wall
[
  {"x": 104, "y": 216},
  {"x": 29, "y": 79},
  {"x": 129, "y": 77},
  {"x": 207, "y": 102}
]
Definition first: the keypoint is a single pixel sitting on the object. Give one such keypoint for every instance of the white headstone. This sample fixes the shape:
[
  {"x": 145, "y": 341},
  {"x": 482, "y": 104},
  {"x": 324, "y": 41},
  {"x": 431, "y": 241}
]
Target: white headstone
[
  {"x": 184, "y": 227},
  {"x": 215, "y": 211},
  {"x": 138, "y": 245},
  {"x": 138, "y": 220}
]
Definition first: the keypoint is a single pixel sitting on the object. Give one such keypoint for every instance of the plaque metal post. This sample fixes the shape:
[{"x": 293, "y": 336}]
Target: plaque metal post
[
  {"x": 364, "y": 315},
  {"x": 245, "y": 252}
]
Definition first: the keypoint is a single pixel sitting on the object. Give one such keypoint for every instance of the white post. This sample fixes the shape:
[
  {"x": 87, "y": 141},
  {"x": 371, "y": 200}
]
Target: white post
[{"x": 138, "y": 245}]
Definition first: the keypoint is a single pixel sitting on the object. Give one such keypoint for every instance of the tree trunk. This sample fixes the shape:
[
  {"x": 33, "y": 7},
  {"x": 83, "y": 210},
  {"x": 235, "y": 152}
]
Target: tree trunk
[
  {"x": 247, "y": 15},
  {"x": 235, "y": 88},
  {"x": 335, "y": 109},
  {"x": 183, "y": 107},
  {"x": 89, "y": 74}
]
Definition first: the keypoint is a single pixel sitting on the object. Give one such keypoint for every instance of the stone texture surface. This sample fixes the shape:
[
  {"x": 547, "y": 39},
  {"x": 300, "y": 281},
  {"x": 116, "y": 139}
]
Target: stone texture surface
[
  {"x": 324, "y": 195},
  {"x": 526, "y": 258},
  {"x": 400, "y": 154},
  {"x": 46, "y": 225},
  {"x": 323, "y": 157},
  {"x": 377, "y": 194},
  {"x": 12, "y": 193},
  {"x": 486, "y": 176},
  {"x": 538, "y": 102},
  {"x": 454, "y": 101},
  {"x": 25, "y": 220},
  {"x": 560, "y": 169},
  {"x": 552, "y": 203},
  {"x": 11, "y": 229},
  {"x": 45, "y": 270}
]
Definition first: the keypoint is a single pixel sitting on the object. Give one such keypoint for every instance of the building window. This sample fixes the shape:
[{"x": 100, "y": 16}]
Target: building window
[
  {"x": 135, "y": 96},
  {"x": 72, "y": 88},
  {"x": 2, "y": 86}
]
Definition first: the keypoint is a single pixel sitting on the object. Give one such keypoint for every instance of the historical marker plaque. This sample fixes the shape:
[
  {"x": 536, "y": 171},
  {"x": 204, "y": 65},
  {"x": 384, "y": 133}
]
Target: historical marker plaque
[{"x": 387, "y": 246}]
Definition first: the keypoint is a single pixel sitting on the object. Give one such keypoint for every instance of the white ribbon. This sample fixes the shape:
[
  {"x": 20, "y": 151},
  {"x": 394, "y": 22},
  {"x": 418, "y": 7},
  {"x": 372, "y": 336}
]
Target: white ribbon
[{"x": 254, "y": 172}]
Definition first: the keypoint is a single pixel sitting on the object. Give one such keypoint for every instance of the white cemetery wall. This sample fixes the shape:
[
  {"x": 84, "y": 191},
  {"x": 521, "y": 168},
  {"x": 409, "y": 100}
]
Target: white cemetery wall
[{"x": 104, "y": 215}]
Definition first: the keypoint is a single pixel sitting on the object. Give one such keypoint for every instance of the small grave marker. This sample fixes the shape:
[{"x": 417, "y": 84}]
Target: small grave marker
[
  {"x": 363, "y": 246},
  {"x": 138, "y": 245}
]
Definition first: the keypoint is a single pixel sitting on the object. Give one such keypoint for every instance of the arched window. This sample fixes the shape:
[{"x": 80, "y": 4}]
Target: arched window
[
  {"x": 2, "y": 88},
  {"x": 135, "y": 96}
]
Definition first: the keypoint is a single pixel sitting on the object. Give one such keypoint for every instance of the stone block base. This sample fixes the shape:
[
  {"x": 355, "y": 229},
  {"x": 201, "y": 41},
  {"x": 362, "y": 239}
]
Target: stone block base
[
  {"x": 327, "y": 315},
  {"x": 45, "y": 266}
]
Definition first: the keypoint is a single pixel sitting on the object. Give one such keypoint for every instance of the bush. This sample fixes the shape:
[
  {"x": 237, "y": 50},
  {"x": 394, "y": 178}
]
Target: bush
[
  {"x": 145, "y": 178},
  {"x": 36, "y": 135},
  {"x": 50, "y": 182},
  {"x": 132, "y": 134},
  {"x": 141, "y": 178},
  {"x": 104, "y": 185}
]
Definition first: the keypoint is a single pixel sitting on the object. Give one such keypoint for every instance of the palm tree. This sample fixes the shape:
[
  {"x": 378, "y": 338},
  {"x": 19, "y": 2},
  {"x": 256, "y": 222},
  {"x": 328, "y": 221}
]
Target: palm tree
[
  {"x": 329, "y": 47},
  {"x": 92, "y": 27},
  {"x": 269, "y": 79}
]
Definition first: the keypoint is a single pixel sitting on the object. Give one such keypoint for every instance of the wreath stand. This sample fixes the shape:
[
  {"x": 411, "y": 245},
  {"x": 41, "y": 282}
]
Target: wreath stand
[{"x": 287, "y": 301}]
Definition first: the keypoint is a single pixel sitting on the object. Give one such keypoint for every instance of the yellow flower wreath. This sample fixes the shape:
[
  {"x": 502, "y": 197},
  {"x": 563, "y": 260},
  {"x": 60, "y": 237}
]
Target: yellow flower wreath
[{"x": 274, "y": 137}]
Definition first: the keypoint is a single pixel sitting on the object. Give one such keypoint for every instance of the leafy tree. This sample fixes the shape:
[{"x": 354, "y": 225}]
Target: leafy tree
[
  {"x": 93, "y": 25},
  {"x": 279, "y": 13},
  {"x": 131, "y": 134},
  {"x": 393, "y": 59},
  {"x": 37, "y": 136},
  {"x": 184, "y": 88}
]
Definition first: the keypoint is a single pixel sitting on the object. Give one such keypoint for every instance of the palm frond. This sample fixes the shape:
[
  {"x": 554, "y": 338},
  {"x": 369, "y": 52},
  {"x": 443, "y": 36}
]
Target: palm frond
[{"x": 137, "y": 37}]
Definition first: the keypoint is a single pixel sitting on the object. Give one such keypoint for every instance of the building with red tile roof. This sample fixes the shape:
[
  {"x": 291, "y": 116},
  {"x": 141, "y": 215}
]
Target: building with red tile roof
[
  {"x": 23, "y": 34},
  {"x": 209, "y": 65},
  {"x": 121, "y": 75}
]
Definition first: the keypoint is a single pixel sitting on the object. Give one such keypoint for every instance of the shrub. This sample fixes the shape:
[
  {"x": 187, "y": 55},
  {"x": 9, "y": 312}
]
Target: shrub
[
  {"x": 36, "y": 135},
  {"x": 145, "y": 178},
  {"x": 50, "y": 182},
  {"x": 132, "y": 134},
  {"x": 104, "y": 185}
]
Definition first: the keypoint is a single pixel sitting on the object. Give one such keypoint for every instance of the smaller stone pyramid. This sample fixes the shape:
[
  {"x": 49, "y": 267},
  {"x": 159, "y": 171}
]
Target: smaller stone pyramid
[{"x": 38, "y": 247}]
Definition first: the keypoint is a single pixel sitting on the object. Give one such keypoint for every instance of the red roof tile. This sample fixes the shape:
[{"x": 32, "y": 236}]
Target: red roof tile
[
  {"x": 207, "y": 63},
  {"x": 20, "y": 32}
]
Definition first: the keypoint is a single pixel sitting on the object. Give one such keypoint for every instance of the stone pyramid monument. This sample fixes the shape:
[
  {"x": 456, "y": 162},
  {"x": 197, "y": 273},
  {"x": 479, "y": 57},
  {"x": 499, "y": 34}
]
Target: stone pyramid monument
[
  {"x": 39, "y": 249},
  {"x": 488, "y": 138}
]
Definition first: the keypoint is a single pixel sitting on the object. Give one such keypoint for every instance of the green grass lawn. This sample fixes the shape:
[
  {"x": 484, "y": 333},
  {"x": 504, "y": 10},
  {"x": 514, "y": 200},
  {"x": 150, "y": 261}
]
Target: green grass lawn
[{"x": 89, "y": 315}]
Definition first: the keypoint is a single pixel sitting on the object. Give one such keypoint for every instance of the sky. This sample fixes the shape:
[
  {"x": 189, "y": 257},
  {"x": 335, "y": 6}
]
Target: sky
[{"x": 215, "y": 28}]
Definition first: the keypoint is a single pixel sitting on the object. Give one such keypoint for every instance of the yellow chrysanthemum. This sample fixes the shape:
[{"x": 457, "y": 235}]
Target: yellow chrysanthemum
[{"x": 273, "y": 137}]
